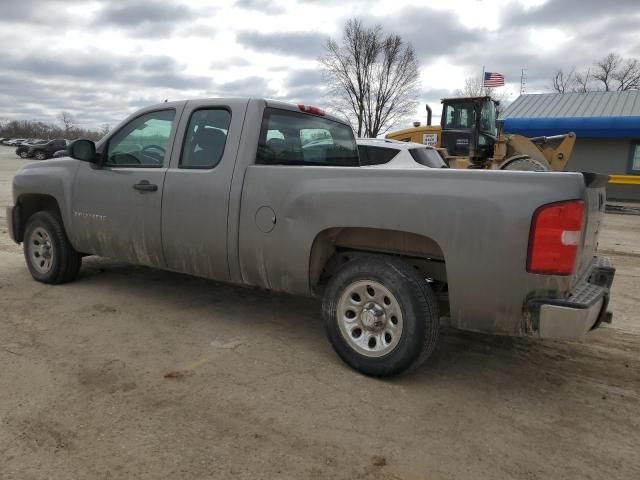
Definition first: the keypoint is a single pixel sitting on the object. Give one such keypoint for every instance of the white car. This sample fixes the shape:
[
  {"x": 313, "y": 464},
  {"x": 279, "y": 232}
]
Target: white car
[
  {"x": 386, "y": 153},
  {"x": 15, "y": 142}
]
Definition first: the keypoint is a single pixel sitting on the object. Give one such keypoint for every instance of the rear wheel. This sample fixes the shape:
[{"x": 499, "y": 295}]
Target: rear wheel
[
  {"x": 381, "y": 316},
  {"x": 40, "y": 155},
  {"x": 47, "y": 251}
]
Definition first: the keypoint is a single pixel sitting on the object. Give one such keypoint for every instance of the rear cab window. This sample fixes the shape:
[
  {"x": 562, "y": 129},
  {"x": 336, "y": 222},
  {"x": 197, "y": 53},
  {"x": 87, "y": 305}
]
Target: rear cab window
[{"x": 296, "y": 138}]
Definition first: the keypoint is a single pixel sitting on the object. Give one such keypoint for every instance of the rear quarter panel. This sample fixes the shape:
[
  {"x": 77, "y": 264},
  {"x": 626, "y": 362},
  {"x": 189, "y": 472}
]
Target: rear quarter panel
[{"x": 480, "y": 219}]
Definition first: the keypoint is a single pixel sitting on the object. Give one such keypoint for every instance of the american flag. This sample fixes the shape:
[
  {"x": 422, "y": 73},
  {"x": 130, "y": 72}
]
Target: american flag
[{"x": 492, "y": 79}]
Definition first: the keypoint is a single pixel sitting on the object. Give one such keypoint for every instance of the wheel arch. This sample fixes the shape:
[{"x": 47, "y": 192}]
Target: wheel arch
[
  {"x": 333, "y": 246},
  {"x": 30, "y": 203}
]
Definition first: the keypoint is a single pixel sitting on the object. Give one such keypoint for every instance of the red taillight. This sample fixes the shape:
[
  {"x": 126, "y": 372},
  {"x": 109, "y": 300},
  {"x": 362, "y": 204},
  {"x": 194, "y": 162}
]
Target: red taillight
[
  {"x": 311, "y": 110},
  {"x": 555, "y": 236}
]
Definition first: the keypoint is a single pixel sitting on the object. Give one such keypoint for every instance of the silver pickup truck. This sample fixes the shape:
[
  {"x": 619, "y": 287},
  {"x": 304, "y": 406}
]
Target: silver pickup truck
[{"x": 266, "y": 194}]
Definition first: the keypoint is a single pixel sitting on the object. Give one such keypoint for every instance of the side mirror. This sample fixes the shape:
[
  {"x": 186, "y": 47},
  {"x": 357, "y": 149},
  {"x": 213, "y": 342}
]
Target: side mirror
[{"x": 84, "y": 150}]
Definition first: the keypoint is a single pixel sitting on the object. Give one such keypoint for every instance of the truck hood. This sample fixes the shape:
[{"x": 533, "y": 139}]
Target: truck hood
[{"x": 63, "y": 162}]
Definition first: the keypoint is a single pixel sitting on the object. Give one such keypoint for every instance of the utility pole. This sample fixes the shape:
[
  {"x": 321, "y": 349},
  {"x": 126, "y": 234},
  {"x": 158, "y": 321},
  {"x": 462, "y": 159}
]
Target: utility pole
[{"x": 523, "y": 81}]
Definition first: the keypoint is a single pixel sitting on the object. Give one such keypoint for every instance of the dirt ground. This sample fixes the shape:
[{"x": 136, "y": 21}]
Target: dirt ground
[{"x": 254, "y": 390}]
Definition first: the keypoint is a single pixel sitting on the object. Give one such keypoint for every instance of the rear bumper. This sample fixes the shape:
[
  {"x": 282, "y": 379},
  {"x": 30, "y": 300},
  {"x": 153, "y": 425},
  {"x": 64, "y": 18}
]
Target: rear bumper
[{"x": 584, "y": 309}]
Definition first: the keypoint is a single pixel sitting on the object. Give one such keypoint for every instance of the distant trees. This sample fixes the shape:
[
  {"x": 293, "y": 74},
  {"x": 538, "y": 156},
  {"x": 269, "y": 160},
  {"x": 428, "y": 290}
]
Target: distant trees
[
  {"x": 372, "y": 77},
  {"x": 562, "y": 82},
  {"x": 104, "y": 129},
  {"x": 36, "y": 129},
  {"x": 611, "y": 73}
]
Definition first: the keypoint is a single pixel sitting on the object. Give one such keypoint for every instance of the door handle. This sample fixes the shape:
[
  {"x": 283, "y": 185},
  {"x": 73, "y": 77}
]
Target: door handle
[{"x": 145, "y": 186}]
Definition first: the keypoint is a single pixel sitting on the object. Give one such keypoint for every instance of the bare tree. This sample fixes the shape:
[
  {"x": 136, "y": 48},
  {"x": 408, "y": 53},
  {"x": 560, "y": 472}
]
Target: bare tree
[
  {"x": 372, "y": 77},
  {"x": 610, "y": 73},
  {"x": 562, "y": 82},
  {"x": 474, "y": 87},
  {"x": 605, "y": 70},
  {"x": 105, "y": 128},
  {"x": 67, "y": 121},
  {"x": 582, "y": 81},
  {"x": 628, "y": 75}
]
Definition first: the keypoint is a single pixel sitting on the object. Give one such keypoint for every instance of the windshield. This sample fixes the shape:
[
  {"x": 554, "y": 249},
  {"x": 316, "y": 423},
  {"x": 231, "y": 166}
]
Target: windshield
[
  {"x": 488, "y": 119},
  {"x": 458, "y": 116}
]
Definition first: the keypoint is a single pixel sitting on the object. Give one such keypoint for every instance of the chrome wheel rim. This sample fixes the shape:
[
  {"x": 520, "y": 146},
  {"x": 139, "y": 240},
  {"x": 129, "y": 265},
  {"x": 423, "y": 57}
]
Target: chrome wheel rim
[
  {"x": 370, "y": 318},
  {"x": 40, "y": 156},
  {"x": 40, "y": 250}
]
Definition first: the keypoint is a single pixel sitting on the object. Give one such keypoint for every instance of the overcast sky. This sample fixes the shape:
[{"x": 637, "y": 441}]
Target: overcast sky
[{"x": 103, "y": 59}]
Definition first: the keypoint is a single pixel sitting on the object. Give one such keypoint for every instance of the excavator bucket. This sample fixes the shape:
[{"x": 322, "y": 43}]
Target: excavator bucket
[{"x": 538, "y": 149}]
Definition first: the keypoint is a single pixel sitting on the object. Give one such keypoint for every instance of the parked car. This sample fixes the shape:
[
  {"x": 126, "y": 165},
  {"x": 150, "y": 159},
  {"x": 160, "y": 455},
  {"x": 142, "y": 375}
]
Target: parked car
[
  {"x": 45, "y": 150},
  {"x": 15, "y": 141},
  {"x": 223, "y": 189},
  {"x": 23, "y": 150}
]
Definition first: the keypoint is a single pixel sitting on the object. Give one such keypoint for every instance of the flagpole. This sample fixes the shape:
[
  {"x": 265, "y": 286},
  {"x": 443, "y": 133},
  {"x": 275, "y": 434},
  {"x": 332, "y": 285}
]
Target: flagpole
[{"x": 482, "y": 80}]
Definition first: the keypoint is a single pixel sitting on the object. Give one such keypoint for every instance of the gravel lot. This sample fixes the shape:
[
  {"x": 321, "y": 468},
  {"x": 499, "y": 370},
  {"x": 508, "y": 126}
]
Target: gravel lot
[{"x": 255, "y": 391}]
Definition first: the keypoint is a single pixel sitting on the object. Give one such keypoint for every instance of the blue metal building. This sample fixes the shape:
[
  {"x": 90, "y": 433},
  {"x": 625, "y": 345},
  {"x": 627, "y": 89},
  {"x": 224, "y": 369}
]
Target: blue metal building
[{"x": 606, "y": 124}]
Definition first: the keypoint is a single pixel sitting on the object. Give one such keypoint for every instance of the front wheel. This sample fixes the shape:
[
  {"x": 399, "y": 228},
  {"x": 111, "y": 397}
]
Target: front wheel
[
  {"x": 524, "y": 163},
  {"x": 381, "y": 315},
  {"x": 24, "y": 154},
  {"x": 47, "y": 251}
]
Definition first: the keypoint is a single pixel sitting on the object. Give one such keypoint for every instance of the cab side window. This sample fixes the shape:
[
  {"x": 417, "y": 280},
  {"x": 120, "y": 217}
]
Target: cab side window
[
  {"x": 205, "y": 138},
  {"x": 142, "y": 142}
]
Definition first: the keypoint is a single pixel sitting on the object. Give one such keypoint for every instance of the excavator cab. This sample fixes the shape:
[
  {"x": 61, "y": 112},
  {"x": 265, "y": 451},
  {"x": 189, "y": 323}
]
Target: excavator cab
[{"x": 469, "y": 128}]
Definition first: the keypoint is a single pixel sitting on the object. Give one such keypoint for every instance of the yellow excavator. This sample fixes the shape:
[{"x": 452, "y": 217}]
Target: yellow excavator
[{"x": 468, "y": 137}]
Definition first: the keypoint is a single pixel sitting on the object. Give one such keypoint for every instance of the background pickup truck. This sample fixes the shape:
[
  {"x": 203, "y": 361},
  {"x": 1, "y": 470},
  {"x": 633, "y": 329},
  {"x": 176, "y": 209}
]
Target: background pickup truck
[{"x": 267, "y": 194}]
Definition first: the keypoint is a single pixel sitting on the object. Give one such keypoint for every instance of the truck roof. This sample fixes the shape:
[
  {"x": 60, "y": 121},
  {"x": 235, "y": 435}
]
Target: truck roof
[
  {"x": 465, "y": 99},
  {"x": 297, "y": 108},
  {"x": 268, "y": 102}
]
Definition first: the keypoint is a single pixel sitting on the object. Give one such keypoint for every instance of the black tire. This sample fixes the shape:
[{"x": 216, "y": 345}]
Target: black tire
[
  {"x": 416, "y": 300},
  {"x": 524, "y": 163},
  {"x": 65, "y": 261},
  {"x": 40, "y": 155},
  {"x": 24, "y": 154}
]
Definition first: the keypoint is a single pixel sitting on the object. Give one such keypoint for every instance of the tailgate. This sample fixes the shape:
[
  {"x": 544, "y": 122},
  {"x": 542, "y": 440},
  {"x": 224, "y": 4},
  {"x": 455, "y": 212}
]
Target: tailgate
[{"x": 595, "y": 202}]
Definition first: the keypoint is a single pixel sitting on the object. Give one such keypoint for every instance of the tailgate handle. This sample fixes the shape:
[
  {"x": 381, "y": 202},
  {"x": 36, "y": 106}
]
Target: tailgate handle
[{"x": 145, "y": 186}]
